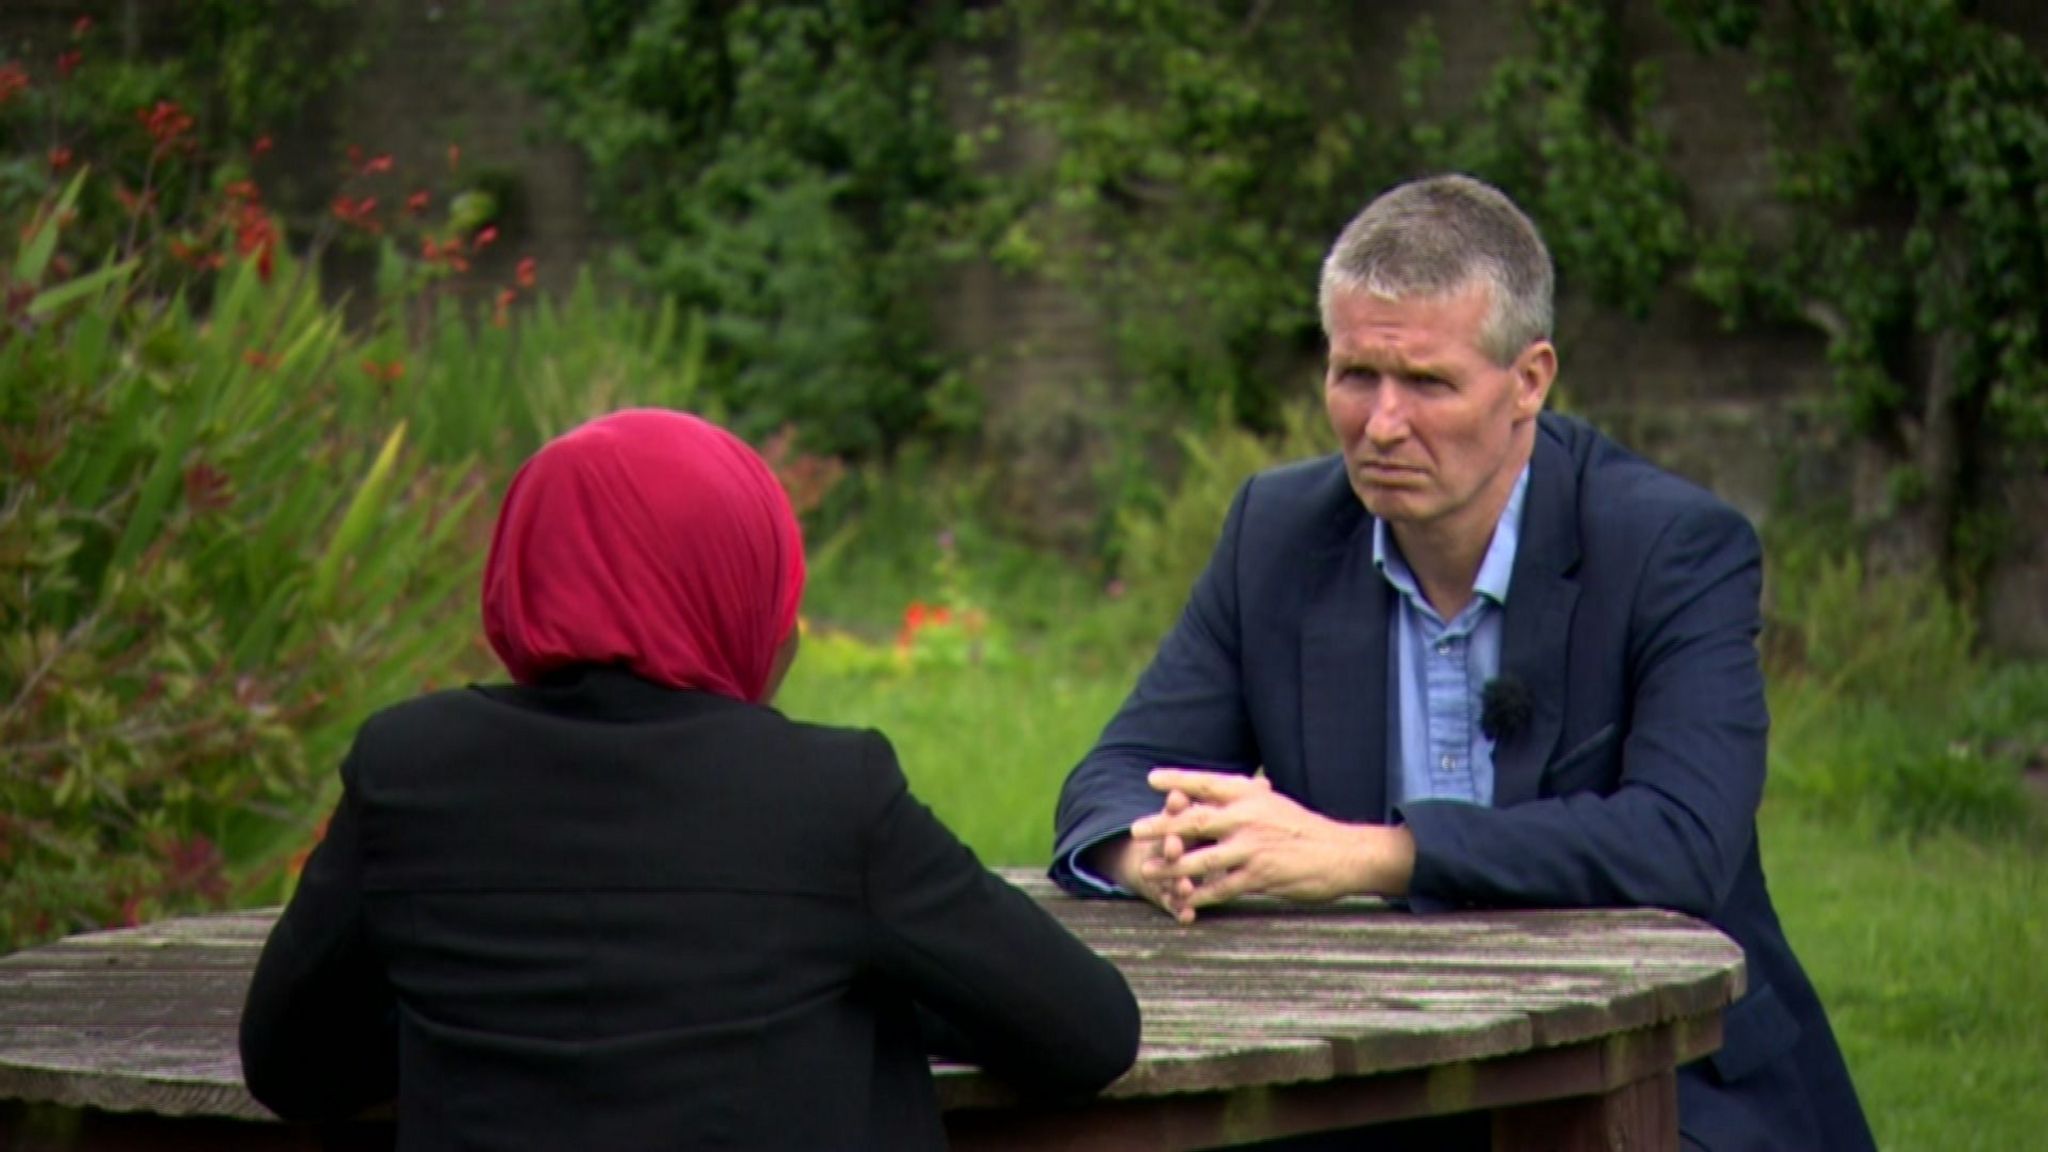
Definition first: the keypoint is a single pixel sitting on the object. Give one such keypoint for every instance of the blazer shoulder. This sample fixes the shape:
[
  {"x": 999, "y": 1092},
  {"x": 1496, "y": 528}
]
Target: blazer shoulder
[{"x": 1299, "y": 502}]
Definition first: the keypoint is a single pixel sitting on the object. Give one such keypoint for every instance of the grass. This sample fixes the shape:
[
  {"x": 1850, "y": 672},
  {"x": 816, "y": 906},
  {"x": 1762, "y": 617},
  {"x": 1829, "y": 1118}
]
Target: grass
[
  {"x": 986, "y": 748},
  {"x": 1932, "y": 958},
  {"x": 1929, "y": 951}
]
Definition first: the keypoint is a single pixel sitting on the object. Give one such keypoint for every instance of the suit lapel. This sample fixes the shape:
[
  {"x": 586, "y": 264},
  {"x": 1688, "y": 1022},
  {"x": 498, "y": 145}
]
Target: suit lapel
[
  {"x": 1344, "y": 679},
  {"x": 1537, "y": 628}
]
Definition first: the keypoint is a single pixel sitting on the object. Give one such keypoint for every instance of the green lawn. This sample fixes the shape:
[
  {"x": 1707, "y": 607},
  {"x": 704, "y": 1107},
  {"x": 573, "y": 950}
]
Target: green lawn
[{"x": 1932, "y": 957}]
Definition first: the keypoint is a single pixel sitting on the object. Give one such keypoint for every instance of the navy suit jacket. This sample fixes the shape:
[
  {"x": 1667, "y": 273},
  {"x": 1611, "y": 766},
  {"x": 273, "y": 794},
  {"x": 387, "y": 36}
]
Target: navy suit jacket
[{"x": 1632, "y": 617}]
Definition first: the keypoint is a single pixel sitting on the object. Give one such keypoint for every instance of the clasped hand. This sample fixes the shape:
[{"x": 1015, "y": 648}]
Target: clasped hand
[{"x": 1219, "y": 836}]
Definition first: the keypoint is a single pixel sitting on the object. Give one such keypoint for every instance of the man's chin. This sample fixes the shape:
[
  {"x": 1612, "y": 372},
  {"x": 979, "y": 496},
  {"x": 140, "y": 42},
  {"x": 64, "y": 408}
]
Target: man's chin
[{"x": 1394, "y": 505}]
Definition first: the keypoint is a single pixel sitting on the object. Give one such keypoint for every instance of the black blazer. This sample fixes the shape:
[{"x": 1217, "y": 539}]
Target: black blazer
[
  {"x": 1631, "y": 617},
  {"x": 602, "y": 914}
]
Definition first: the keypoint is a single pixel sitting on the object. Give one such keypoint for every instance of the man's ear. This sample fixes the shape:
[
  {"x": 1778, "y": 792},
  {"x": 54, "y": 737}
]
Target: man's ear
[{"x": 1534, "y": 371}]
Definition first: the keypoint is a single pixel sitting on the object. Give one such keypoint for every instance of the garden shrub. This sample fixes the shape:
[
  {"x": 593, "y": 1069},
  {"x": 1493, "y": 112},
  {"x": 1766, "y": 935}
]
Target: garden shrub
[{"x": 206, "y": 578}]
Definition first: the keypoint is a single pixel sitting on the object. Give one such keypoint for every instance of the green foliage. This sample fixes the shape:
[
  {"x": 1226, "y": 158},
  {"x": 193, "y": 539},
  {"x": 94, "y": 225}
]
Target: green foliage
[
  {"x": 205, "y": 579},
  {"x": 1882, "y": 710},
  {"x": 477, "y": 392},
  {"x": 1166, "y": 548},
  {"x": 785, "y": 170},
  {"x": 1570, "y": 131},
  {"x": 239, "y": 69},
  {"x": 1911, "y": 142},
  {"x": 1206, "y": 156}
]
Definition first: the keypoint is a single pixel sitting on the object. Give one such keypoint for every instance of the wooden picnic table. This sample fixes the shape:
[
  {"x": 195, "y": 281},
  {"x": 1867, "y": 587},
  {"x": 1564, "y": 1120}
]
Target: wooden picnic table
[{"x": 1260, "y": 1020}]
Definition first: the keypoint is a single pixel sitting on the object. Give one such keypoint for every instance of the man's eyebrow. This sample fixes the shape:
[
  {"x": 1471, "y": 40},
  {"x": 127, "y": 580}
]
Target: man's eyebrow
[{"x": 1396, "y": 364}]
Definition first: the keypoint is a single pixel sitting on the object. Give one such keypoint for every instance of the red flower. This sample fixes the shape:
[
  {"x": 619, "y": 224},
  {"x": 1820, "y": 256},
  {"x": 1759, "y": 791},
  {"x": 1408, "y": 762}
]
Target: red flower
[
  {"x": 485, "y": 237},
  {"x": 256, "y": 237},
  {"x": 60, "y": 159},
  {"x": 503, "y": 315},
  {"x": 167, "y": 123},
  {"x": 67, "y": 62},
  {"x": 244, "y": 191},
  {"x": 260, "y": 147},
  {"x": 417, "y": 202},
  {"x": 524, "y": 274},
  {"x": 81, "y": 27},
  {"x": 385, "y": 373},
  {"x": 358, "y": 213},
  {"x": 378, "y": 165},
  {"x": 132, "y": 203},
  {"x": 13, "y": 81},
  {"x": 207, "y": 488}
]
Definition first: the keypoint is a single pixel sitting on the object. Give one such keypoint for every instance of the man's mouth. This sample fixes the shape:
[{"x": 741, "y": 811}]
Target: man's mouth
[{"x": 1385, "y": 470}]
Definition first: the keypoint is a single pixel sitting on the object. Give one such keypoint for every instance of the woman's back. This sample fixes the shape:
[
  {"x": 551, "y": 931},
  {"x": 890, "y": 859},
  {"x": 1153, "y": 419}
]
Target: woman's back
[{"x": 717, "y": 947}]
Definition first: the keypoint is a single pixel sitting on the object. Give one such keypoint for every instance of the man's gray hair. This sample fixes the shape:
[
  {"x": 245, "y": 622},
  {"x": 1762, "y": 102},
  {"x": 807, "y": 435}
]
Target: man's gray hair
[{"x": 1435, "y": 237}]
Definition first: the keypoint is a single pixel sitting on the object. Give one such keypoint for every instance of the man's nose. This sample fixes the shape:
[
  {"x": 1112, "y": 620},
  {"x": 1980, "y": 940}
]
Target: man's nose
[{"x": 1386, "y": 420}]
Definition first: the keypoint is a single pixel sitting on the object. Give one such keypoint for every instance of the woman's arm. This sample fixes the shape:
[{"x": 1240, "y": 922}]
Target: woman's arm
[
  {"x": 1018, "y": 993},
  {"x": 319, "y": 1035}
]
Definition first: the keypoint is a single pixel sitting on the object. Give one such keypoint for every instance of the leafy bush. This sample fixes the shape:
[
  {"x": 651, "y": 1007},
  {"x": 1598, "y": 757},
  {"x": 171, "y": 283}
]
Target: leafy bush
[
  {"x": 785, "y": 169},
  {"x": 1882, "y": 709},
  {"x": 1164, "y": 549},
  {"x": 493, "y": 393},
  {"x": 206, "y": 578}
]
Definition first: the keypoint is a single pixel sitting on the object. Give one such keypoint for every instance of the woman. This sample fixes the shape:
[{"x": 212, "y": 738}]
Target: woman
[{"x": 622, "y": 903}]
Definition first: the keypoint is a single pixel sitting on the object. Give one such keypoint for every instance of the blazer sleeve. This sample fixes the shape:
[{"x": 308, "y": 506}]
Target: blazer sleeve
[
  {"x": 1013, "y": 990},
  {"x": 319, "y": 1036},
  {"x": 1676, "y": 829},
  {"x": 1187, "y": 710}
]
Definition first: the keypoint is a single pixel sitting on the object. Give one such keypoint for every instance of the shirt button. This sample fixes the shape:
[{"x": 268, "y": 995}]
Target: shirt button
[{"x": 1448, "y": 763}]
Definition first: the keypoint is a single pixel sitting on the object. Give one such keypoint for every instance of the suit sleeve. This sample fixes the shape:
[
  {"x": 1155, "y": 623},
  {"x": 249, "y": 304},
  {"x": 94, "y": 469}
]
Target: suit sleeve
[
  {"x": 1011, "y": 988},
  {"x": 1675, "y": 831},
  {"x": 1187, "y": 710},
  {"x": 318, "y": 1033}
]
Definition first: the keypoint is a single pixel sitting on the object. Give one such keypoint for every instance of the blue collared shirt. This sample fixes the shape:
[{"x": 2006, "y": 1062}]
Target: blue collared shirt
[{"x": 1435, "y": 750}]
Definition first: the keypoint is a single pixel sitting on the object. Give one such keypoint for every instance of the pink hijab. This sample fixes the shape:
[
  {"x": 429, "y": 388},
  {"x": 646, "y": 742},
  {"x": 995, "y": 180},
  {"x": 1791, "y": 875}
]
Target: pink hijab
[{"x": 648, "y": 539}]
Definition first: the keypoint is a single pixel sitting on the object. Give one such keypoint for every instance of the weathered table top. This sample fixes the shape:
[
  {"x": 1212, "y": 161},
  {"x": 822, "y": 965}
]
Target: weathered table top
[{"x": 1252, "y": 997}]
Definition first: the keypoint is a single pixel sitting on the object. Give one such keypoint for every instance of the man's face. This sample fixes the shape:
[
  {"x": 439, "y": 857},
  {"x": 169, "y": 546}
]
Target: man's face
[{"x": 1434, "y": 432}]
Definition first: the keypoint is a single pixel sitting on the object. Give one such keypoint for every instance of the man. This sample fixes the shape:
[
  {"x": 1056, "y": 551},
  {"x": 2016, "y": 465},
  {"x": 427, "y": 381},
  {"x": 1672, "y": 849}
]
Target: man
[{"x": 1484, "y": 657}]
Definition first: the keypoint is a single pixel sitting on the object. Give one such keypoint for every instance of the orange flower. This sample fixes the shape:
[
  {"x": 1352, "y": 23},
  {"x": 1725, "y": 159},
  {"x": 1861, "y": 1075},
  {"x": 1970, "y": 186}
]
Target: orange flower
[
  {"x": 524, "y": 274},
  {"x": 503, "y": 315},
  {"x": 454, "y": 157}
]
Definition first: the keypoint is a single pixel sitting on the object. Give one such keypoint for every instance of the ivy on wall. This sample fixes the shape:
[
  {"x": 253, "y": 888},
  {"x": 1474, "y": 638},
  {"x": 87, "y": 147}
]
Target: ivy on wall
[
  {"x": 785, "y": 169},
  {"x": 1911, "y": 143}
]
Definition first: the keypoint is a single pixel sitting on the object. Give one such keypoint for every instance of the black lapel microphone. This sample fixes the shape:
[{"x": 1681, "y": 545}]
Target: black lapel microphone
[{"x": 1505, "y": 707}]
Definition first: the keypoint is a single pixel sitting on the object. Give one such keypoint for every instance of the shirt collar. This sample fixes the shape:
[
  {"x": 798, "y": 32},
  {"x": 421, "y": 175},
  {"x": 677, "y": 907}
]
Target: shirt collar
[{"x": 1495, "y": 570}]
